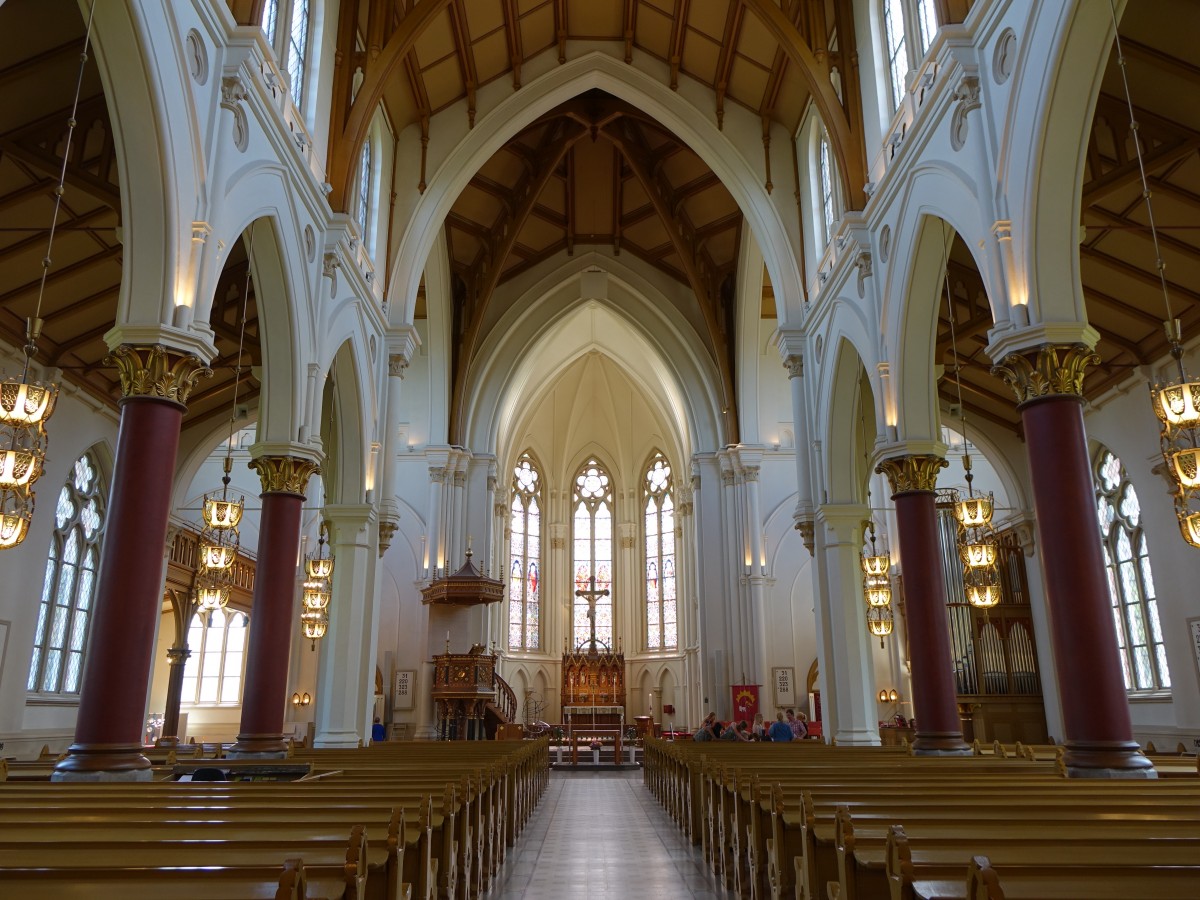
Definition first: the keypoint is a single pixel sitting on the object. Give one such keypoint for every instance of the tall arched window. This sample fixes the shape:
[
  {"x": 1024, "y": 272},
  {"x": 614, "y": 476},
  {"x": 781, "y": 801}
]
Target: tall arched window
[
  {"x": 60, "y": 638},
  {"x": 287, "y": 30},
  {"x": 828, "y": 212},
  {"x": 661, "y": 599},
  {"x": 927, "y": 23},
  {"x": 364, "y": 191},
  {"x": 896, "y": 47},
  {"x": 592, "y": 501},
  {"x": 525, "y": 557},
  {"x": 1130, "y": 581},
  {"x": 213, "y": 672}
]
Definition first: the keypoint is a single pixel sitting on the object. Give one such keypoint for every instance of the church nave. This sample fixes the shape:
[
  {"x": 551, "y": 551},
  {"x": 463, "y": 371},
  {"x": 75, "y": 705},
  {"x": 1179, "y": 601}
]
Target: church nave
[{"x": 601, "y": 834}]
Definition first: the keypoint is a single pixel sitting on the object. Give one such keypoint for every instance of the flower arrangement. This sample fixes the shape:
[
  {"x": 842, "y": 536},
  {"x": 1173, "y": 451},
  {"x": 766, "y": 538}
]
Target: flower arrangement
[{"x": 595, "y": 745}]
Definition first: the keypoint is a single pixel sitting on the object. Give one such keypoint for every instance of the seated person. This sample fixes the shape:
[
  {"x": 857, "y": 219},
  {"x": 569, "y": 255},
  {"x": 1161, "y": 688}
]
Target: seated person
[
  {"x": 780, "y": 730},
  {"x": 707, "y": 729}
]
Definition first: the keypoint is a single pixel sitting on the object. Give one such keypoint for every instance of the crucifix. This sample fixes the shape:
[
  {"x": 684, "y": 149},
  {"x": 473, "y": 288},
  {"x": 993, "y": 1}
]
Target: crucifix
[{"x": 592, "y": 596}]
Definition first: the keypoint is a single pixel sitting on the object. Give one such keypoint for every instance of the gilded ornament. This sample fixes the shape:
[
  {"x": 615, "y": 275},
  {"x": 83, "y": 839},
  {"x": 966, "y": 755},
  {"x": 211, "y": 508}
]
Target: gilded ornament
[
  {"x": 284, "y": 474},
  {"x": 157, "y": 371},
  {"x": 805, "y": 527},
  {"x": 1050, "y": 370},
  {"x": 916, "y": 472}
]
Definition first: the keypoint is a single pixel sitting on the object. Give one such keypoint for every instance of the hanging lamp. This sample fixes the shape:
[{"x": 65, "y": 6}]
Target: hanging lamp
[
  {"x": 876, "y": 566},
  {"x": 978, "y": 547},
  {"x": 26, "y": 404},
  {"x": 1176, "y": 401}
]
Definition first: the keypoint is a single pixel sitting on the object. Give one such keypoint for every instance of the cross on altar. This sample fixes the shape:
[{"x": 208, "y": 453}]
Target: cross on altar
[{"x": 592, "y": 596}]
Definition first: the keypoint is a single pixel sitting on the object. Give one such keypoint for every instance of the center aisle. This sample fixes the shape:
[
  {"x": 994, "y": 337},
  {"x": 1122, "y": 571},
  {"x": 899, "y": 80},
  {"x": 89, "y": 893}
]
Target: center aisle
[{"x": 601, "y": 834}]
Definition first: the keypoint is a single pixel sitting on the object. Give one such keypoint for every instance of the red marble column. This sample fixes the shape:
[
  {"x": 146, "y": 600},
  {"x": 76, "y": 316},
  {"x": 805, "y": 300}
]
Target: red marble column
[
  {"x": 116, "y": 673},
  {"x": 264, "y": 695},
  {"x": 1098, "y": 730},
  {"x": 914, "y": 481}
]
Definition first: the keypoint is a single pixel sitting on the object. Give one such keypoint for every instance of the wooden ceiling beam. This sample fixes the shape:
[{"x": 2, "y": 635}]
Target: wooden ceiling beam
[
  {"x": 675, "y": 49},
  {"x": 191, "y": 419},
  {"x": 512, "y": 31},
  {"x": 466, "y": 56},
  {"x": 560, "y": 29},
  {"x": 83, "y": 303},
  {"x": 716, "y": 226},
  {"x": 1129, "y": 173},
  {"x": 38, "y": 238},
  {"x": 1149, "y": 318},
  {"x": 976, "y": 411},
  {"x": 1164, "y": 61},
  {"x": 629, "y": 20},
  {"x": 78, "y": 340},
  {"x": 101, "y": 189},
  {"x": 733, "y": 27},
  {"x": 1148, "y": 278},
  {"x": 18, "y": 69},
  {"x": 1137, "y": 229},
  {"x": 570, "y": 200},
  {"x": 23, "y": 193},
  {"x": 470, "y": 226},
  {"x": 618, "y": 199},
  {"x": 57, "y": 274}
]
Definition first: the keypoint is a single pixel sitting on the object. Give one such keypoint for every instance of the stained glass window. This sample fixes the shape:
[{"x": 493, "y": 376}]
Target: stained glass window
[
  {"x": 65, "y": 611},
  {"x": 297, "y": 50},
  {"x": 661, "y": 599},
  {"x": 364, "y": 190},
  {"x": 525, "y": 557},
  {"x": 827, "y": 209},
  {"x": 1130, "y": 581},
  {"x": 896, "y": 48},
  {"x": 592, "y": 500},
  {"x": 213, "y": 671}
]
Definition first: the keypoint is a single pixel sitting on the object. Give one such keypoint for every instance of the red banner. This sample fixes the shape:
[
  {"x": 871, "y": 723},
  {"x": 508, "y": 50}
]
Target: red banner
[{"x": 745, "y": 702}]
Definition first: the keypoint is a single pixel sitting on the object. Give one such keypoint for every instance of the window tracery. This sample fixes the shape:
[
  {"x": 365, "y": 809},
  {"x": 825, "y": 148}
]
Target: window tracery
[
  {"x": 1130, "y": 580},
  {"x": 69, "y": 588},
  {"x": 592, "y": 557},
  {"x": 661, "y": 598},
  {"x": 524, "y": 570}
]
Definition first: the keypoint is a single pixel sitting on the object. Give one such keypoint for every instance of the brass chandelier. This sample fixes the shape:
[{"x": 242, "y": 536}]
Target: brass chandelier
[
  {"x": 876, "y": 566},
  {"x": 978, "y": 547},
  {"x": 1176, "y": 401},
  {"x": 318, "y": 589},
  {"x": 27, "y": 404}
]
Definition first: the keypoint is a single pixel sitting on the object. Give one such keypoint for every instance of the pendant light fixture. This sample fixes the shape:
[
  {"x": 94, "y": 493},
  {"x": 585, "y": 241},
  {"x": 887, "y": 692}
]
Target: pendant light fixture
[
  {"x": 1176, "y": 401},
  {"x": 978, "y": 547},
  {"x": 318, "y": 589},
  {"x": 222, "y": 514},
  {"x": 876, "y": 566},
  {"x": 26, "y": 404}
]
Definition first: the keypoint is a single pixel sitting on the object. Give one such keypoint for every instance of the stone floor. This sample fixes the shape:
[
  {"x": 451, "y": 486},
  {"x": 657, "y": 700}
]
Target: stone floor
[{"x": 602, "y": 834}]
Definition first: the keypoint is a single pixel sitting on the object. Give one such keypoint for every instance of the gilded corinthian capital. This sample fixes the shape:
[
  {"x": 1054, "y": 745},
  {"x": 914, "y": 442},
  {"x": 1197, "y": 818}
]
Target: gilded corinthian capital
[
  {"x": 1046, "y": 371},
  {"x": 284, "y": 474},
  {"x": 157, "y": 371},
  {"x": 915, "y": 472}
]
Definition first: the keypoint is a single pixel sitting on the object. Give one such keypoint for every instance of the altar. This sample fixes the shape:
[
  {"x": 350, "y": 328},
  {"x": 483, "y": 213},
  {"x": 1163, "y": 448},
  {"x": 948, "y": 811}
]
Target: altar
[{"x": 584, "y": 716}]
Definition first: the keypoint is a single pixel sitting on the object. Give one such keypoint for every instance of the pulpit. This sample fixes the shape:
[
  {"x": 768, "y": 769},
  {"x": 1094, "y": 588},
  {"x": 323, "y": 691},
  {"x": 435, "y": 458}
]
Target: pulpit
[{"x": 464, "y": 684}]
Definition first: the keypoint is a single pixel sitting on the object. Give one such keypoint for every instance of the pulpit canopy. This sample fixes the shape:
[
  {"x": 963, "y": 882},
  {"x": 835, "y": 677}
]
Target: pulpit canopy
[{"x": 466, "y": 587}]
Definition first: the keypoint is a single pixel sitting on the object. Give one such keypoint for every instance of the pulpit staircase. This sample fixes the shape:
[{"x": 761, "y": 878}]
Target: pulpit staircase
[{"x": 503, "y": 709}]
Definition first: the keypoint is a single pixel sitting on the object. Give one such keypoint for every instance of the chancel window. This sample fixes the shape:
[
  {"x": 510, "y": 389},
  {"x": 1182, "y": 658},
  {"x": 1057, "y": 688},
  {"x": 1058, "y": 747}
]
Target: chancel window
[
  {"x": 69, "y": 588},
  {"x": 213, "y": 672},
  {"x": 592, "y": 501},
  {"x": 661, "y": 598},
  {"x": 525, "y": 557},
  {"x": 1130, "y": 581}
]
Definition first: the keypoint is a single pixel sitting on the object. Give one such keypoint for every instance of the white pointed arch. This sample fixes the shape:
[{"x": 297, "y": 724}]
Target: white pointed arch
[
  {"x": 844, "y": 431},
  {"x": 637, "y": 326},
  {"x": 693, "y": 125}
]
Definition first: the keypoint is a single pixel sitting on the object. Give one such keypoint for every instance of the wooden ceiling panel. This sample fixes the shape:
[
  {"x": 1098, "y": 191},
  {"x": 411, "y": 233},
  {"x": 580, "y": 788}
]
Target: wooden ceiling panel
[
  {"x": 593, "y": 191},
  {"x": 755, "y": 42},
  {"x": 537, "y": 234},
  {"x": 684, "y": 167},
  {"x": 591, "y": 20},
  {"x": 654, "y": 31},
  {"x": 527, "y": 6},
  {"x": 537, "y": 30},
  {"x": 707, "y": 19},
  {"x": 554, "y": 196},
  {"x": 437, "y": 41},
  {"x": 663, "y": 7},
  {"x": 723, "y": 245},
  {"x": 443, "y": 83},
  {"x": 478, "y": 206},
  {"x": 504, "y": 169},
  {"x": 491, "y": 56},
  {"x": 700, "y": 55},
  {"x": 648, "y": 232},
  {"x": 483, "y": 18},
  {"x": 747, "y": 82}
]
